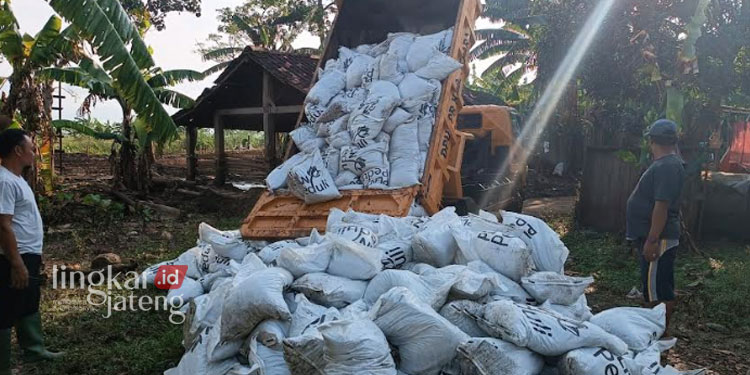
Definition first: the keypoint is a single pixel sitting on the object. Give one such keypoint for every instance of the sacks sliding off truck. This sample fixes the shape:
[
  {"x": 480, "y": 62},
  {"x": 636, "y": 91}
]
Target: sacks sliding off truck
[{"x": 389, "y": 80}]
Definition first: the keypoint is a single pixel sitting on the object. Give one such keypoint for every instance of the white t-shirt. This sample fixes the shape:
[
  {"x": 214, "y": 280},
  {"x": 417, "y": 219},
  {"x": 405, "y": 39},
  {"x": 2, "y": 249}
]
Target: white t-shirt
[{"x": 17, "y": 199}]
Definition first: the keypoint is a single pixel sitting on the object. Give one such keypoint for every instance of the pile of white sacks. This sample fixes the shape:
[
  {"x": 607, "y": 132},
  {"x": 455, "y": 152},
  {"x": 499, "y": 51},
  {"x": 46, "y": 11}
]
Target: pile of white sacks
[
  {"x": 415, "y": 295},
  {"x": 371, "y": 116}
]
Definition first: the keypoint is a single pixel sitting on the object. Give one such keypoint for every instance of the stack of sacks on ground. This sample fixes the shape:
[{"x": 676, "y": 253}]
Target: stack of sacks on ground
[
  {"x": 414, "y": 295},
  {"x": 371, "y": 116}
]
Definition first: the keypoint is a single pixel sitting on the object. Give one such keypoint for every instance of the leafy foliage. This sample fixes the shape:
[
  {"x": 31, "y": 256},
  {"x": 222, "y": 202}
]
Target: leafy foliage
[
  {"x": 265, "y": 24},
  {"x": 84, "y": 128},
  {"x": 108, "y": 29},
  {"x": 152, "y": 12}
]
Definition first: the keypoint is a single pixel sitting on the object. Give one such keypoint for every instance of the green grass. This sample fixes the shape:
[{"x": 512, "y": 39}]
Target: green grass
[
  {"x": 141, "y": 342},
  {"x": 233, "y": 139},
  {"x": 714, "y": 289}
]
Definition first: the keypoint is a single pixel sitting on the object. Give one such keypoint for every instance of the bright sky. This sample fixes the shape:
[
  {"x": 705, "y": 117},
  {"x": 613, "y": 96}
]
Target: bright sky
[{"x": 174, "y": 48}]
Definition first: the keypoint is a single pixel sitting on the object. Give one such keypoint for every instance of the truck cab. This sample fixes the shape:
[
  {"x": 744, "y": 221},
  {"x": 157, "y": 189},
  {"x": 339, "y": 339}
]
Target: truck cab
[{"x": 492, "y": 173}]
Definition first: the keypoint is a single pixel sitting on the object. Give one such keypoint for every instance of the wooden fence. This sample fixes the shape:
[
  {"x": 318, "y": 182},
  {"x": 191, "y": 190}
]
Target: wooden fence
[{"x": 605, "y": 188}]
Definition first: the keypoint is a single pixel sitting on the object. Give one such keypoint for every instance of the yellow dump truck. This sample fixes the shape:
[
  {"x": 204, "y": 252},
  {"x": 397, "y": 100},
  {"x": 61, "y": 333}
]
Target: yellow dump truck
[{"x": 281, "y": 215}]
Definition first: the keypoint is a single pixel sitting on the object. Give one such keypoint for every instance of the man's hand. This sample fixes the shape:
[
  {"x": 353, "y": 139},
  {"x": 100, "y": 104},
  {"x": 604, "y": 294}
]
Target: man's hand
[
  {"x": 19, "y": 276},
  {"x": 651, "y": 250}
]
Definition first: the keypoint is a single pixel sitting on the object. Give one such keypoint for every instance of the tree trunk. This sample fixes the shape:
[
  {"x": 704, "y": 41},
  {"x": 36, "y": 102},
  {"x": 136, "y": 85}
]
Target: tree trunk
[
  {"x": 322, "y": 24},
  {"x": 131, "y": 169},
  {"x": 47, "y": 149},
  {"x": 124, "y": 168},
  {"x": 33, "y": 100}
]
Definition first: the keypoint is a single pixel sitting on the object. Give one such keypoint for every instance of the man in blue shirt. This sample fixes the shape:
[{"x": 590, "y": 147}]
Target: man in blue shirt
[{"x": 653, "y": 216}]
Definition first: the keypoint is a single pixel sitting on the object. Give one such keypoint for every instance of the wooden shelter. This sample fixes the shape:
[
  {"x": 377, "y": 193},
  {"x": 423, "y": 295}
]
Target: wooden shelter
[{"x": 258, "y": 91}]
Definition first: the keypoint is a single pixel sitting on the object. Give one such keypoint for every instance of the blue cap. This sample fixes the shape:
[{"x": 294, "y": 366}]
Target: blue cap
[{"x": 663, "y": 129}]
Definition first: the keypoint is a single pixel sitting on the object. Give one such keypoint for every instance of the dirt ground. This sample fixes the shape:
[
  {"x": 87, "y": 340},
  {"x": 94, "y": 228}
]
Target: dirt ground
[{"x": 73, "y": 241}]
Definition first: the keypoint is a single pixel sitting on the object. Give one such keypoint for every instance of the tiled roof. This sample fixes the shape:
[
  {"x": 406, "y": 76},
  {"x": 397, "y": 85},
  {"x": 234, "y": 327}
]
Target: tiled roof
[{"x": 293, "y": 69}]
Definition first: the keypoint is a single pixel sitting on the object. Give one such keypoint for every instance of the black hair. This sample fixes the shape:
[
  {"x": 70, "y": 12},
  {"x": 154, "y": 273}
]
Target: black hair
[
  {"x": 9, "y": 139},
  {"x": 662, "y": 140}
]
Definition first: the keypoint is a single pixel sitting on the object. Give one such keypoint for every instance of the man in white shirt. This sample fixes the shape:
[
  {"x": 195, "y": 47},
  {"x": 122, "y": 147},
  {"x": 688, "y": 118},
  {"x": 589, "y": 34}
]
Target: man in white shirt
[{"x": 21, "y": 237}]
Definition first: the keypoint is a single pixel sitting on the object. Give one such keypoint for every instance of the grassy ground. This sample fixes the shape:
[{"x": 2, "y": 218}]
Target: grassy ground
[
  {"x": 127, "y": 342},
  {"x": 712, "y": 323},
  {"x": 712, "y": 317}
]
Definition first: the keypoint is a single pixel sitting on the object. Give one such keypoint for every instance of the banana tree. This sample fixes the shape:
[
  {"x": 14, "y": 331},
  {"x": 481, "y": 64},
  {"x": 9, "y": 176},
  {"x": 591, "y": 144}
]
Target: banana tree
[
  {"x": 30, "y": 96},
  {"x": 123, "y": 76},
  {"x": 135, "y": 157}
]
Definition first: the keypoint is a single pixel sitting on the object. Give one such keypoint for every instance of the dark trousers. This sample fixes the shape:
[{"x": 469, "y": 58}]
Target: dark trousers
[{"x": 18, "y": 303}]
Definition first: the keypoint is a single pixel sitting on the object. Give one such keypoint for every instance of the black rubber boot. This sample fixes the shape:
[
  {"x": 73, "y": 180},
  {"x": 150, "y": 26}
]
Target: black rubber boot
[
  {"x": 5, "y": 351},
  {"x": 31, "y": 339}
]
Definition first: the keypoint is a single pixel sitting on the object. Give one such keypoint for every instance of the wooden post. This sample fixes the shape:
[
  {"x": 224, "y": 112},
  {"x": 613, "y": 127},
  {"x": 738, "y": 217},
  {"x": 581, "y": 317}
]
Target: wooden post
[
  {"x": 269, "y": 127},
  {"x": 221, "y": 156},
  {"x": 192, "y": 160}
]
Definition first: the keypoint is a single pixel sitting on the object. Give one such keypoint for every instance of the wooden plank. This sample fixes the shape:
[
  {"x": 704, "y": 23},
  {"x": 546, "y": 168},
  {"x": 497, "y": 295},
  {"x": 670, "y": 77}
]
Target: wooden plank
[
  {"x": 260, "y": 110},
  {"x": 221, "y": 161},
  {"x": 269, "y": 127},
  {"x": 192, "y": 160}
]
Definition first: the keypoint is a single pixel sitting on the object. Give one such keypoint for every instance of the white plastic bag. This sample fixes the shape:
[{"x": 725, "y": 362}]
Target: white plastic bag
[
  {"x": 358, "y": 160},
  {"x": 577, "y": 311},
  {"x": 376, "y": 177},
  {"x": 367, "y": 120},
  {"x": 489, "y": 356},
  {"x": 356, "y": 70},
  {"x": 505, "y": 287},
  {"x": 505, "y": 254},
  {"x": 548, "y": 251},
  {"x": 435, "y": 244},
  {"x": 308, "y": 316},
  {"x": 398, "y": 116},
  {"x": 276, "y": 179},
  {"x": 352, "y": 260},
  {"x": 388, "y": 69},
  {"x": 439, "y": 67},
  {"x": 587, "y": 361},
  {"x": 270, "y": 253},
  {"x": 196, "y": 361},
  {"x": 431, "y": 289},
  {"x": 425, "y": 340},
  {"x": 310, "y": 181},
  {"x": 638, "y": 327},
  {"x": 185, "y": 293},
  {"x": 331, "y": 157},
  {"x": 356, "y": 233},
  {"x": 356, "y": 347},
  {"x": 555, "y": 288},
  {"x": 544, "y": 332},
  {"x": 395, "y": 253},
  {"x": 415, "y": 88},
  {"x": 468, "y": 284},
  {"x": 210, "y": 262},
  {"x": 304, "y": 260},
  {"x": 329, "y": 290},
  {"x": 339, "y": 140},
  {"x": 458, "y": 312},
  {"x": 265, "y": 352},
  {"x": 404, "y": 142},
  {"x": 257, "y": 298},
  {"x": 330, "y": 83},
  {"x": 226, "y": 243}
]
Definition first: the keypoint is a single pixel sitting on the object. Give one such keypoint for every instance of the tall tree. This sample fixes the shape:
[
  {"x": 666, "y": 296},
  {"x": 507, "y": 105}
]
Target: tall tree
[
  {"x": 147, "y": 13},
  {"x": 265, "y": 24}
]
